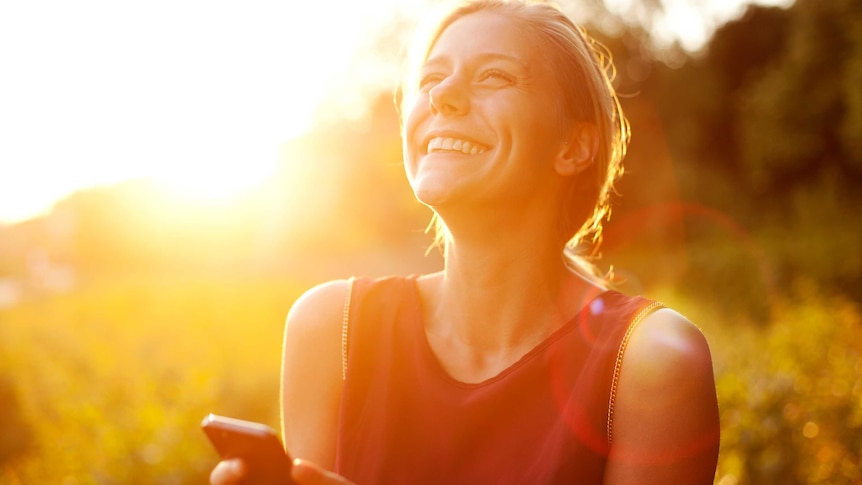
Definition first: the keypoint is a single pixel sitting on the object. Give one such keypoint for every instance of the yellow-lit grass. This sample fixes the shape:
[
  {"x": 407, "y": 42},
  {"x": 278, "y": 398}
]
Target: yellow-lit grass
[{"x": 115, "y": 379}]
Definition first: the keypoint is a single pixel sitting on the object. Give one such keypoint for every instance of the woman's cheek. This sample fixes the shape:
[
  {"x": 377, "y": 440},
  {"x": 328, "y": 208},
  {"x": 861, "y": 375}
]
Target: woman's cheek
[{"x": 411, "y": 142}]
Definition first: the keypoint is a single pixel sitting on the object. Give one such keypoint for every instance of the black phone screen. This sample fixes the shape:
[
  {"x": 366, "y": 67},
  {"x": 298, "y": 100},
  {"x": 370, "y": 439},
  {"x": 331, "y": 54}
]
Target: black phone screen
[{"x": 257, "y": 444}]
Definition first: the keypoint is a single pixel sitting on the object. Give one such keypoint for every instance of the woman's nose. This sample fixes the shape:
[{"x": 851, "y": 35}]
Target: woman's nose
[{"x": 449, "y": 97}]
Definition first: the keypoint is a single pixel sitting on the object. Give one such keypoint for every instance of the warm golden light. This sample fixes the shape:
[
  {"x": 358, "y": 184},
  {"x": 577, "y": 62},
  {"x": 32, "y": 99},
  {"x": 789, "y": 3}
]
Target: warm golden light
[
  {"x": 196, "y": 95},
  {"x": 217, "y": 180}
]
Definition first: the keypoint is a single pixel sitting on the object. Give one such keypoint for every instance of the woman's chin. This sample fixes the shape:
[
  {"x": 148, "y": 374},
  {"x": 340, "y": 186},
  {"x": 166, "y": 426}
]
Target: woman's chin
[
  {"x": 431, "y": 198},
  {"x": 431, "y": 192}
]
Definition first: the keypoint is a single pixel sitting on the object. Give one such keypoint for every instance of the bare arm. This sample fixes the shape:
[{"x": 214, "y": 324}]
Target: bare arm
[
  {"x": 311, "y": 380},
  {"x": 666, "y": 426}
]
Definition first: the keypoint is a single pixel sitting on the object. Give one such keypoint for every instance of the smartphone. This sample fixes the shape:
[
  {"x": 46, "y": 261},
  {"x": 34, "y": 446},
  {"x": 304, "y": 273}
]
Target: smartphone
[{"x": 257, "y": 444}]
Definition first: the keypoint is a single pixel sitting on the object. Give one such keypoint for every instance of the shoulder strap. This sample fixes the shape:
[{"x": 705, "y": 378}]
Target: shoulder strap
[
  {"x": 344, "y": 324},
  {"x": 651, "y": 307}
]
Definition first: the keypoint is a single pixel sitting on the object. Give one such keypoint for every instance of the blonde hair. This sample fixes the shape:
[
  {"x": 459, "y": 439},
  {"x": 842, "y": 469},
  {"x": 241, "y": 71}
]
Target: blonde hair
[{"x": 585, "y": 72}]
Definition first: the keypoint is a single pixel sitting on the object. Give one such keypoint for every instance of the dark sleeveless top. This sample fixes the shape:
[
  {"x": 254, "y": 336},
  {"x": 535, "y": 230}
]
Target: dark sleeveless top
[{"x": 543, "y": 420}]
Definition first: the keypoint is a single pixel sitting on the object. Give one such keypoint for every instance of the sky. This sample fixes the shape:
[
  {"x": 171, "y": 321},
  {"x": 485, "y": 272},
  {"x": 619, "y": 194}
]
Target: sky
[{"x": 197, "y": 94}]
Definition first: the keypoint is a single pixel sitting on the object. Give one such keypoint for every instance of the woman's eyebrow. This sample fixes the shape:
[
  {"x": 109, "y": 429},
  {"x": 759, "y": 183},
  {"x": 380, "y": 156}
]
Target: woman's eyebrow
[
  {"x": 483, "y": 57},
  {"x": 493, "y": 56}
]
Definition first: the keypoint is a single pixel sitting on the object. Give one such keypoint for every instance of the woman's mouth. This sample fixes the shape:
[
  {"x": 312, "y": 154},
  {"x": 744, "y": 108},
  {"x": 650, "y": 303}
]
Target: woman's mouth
[{"x": 451, "y": 144}]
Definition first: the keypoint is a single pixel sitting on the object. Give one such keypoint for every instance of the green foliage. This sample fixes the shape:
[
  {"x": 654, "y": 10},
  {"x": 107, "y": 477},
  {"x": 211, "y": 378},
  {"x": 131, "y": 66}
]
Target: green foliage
[
  {"x": 763, "y": 127},
  {"x": 784, "y": 141},
  {"x": 852, "y": 88},
  {"x": 790, "y": 393},
  {"x": 114, "y": 380},
  {"x": 774, "y": 100}
]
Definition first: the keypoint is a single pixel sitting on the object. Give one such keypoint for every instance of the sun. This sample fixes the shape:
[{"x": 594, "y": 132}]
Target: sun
[
  {"x": 218, "y": 179},
  {"x": 201, "y": 108},
  {"x": 214, "y": 185}
]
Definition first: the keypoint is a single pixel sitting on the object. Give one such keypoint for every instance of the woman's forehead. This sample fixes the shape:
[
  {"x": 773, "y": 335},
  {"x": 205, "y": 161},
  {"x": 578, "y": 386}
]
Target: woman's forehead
[{"x": 486, "y": 34}]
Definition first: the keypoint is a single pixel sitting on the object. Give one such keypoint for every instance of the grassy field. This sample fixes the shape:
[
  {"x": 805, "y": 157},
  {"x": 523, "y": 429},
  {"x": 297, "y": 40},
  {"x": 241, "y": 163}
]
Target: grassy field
[
  {"x": 112, "y": 382},
  {"x": 109, "y": 384}
]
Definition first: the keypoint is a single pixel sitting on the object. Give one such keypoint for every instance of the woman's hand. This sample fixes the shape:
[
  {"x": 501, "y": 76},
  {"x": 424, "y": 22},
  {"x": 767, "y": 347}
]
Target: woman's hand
[
  {"x": 304, "y": 472},
  {"x": 307, "y": 473},
  {"x": 228, "y": 472}
]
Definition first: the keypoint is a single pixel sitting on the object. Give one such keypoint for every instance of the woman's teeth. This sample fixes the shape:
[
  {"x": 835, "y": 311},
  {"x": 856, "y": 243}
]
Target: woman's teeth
[{"x": 450, "y": 144}]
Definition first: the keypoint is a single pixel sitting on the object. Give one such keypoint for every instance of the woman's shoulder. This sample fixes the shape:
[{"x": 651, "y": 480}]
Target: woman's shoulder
[
  {"x": 666, "y": 410},
  {"x": 663, "y": 348},
  {"x": 667, "y": 341},
  {"x": 319, "y": 306},
  {"x": 322, "y": 308}
]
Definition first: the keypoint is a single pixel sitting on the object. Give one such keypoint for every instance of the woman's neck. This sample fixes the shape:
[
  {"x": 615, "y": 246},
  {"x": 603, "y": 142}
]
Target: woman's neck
[{"x": 495, "y": 302}]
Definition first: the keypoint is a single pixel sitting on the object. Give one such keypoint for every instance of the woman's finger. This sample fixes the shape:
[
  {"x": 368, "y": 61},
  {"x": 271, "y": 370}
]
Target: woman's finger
[
  {"x": 228, "y": 472},
  {"x": 307, "y": 473}
]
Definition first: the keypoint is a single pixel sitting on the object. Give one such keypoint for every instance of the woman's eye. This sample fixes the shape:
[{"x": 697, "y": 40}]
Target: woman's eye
[
  {"x": 429, "y": 81},
  {"x": 497, "y": 77}
]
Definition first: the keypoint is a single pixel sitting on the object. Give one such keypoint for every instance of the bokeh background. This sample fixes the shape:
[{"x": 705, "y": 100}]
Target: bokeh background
[{"x": 174, "y": 174}]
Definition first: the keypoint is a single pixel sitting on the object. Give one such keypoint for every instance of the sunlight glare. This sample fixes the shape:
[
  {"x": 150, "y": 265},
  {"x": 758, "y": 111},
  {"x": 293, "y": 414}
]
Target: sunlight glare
[
  {"x": 216, "y": 182},
  {"x": 197, "y": 95}
]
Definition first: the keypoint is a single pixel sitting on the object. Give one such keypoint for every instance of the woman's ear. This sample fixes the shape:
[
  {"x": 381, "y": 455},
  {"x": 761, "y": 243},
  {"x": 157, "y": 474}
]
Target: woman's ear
[{"x": 579, "y": 150}]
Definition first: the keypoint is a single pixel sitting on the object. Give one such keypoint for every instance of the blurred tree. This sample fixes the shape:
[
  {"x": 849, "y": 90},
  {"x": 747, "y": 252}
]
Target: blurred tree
[
  {"x": 698, "y": 102},
  {"x": 801, "y": 116},
  {"x": 764, "y": 125},
  {"x": 774, "y": 101}
]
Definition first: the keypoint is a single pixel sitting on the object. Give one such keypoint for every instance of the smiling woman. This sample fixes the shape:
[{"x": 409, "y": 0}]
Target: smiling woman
[{"x": 515, "y": 363}]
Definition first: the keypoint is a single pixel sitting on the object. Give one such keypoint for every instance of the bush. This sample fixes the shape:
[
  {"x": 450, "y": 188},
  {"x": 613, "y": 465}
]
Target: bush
[
  {"x": 115, "y": 380},
  {"x": 790, "y": 392}
]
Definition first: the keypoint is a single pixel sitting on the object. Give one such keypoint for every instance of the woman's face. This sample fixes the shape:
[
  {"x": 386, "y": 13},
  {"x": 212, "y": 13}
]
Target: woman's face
[{"x": 483, "y": 126}]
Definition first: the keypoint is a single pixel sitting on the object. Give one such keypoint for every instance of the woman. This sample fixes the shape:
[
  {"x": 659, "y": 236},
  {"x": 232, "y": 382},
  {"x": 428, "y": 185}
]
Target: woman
[{"x": 514, "y": 364}]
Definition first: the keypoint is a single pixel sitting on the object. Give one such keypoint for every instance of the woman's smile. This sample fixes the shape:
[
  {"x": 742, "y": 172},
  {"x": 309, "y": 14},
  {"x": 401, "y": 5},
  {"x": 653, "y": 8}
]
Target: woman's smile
[{"x": 451, "y": 144}]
